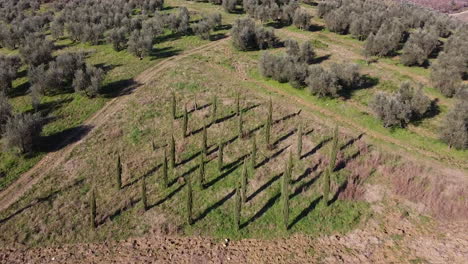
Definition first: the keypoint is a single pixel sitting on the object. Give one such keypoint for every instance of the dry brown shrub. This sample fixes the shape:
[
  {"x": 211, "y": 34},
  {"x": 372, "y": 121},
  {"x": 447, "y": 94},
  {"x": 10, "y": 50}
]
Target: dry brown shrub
[{"x": 441, "y": 195}]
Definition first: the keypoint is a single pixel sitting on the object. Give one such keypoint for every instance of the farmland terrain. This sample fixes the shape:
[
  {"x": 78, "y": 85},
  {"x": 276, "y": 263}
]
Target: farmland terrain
[{"x": 398, "y": 195}]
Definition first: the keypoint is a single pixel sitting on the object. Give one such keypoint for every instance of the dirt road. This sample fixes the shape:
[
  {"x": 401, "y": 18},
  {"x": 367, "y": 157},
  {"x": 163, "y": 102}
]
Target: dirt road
[{"x": 17, "y": 189}]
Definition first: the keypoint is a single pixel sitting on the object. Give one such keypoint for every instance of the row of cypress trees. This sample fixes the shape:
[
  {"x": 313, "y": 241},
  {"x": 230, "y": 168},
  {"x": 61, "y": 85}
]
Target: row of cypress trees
[{"x": 241, "y": 186}]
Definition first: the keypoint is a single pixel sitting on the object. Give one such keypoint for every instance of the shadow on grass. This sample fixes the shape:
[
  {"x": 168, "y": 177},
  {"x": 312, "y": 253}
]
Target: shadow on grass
[
  {"x": 214, "y": 206},
  {"x": 351, "y": 141},
  {"x": 283, "y": 138},
  {"x": 267, "y": 159},
  {"x": 286, "y": 117},
  {"x": 264, "y": 186},
  {"x": 19, "y": 90},
  {"x": 147, "y": 174},
  {"x": 42, "y": 199},
  {"x": 165, "y": 52},
  {"x": 61, "y": 139},
  {"x": 321, "y": 59},
  {"x": 217, "y": 36},
  {"x": 263, "y": 210},
  {"x": 118, "y": 88},
  {"x": 304, "y": 186},
  {"x": 224, "y": 174},
  {"x": 167, "y": 197},
  {"x": 316, "y": 148},
  {"x": 366, "y": 82},
  {"x": 305, "y": 212}
]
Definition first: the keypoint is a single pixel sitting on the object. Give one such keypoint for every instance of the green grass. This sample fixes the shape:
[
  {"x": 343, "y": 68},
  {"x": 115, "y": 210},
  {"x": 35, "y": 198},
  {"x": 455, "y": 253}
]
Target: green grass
[
  {"x": 213, "y": 206},
  {"x": 73, "y": 109}
]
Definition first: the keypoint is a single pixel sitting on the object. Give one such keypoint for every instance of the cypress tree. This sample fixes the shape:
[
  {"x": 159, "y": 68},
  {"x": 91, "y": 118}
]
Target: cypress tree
[
  {"x": 92, "y": 203},
  {"x": 270, "y": 112},
  {"x": 119, "y": 173},
  {"x": 240, "y": 125},
  {"x": 269, "y": 124},
  {"x": 244, "y": 182},
  {"x": 165, "y": 178},
  {"x": 214, "y": 108},
  {"x": 267, "y": 134},
  {"x": 285, "y": 194},
  {"x": 189, "y": 197},
  {"x": 237, "y": 103},
  {"x": 220, "y": 155},
  {"x": 173, "y": 153},
  {"x": 329, "y": 171},
  {"x": 254, "y": 152},
  {"x": 334, "y": 150},
  {"x": 174, "y": 106},
  {"x": 205, "y": 140},
  {"x": 238, "y": 207},
  {"x": 143, "y": 194},
  {"x": 186, "y": 119},
  {"x": 202, "y": 169},
  {"x": 290, "y": 164},
  {"x": 299, "y": 142}
]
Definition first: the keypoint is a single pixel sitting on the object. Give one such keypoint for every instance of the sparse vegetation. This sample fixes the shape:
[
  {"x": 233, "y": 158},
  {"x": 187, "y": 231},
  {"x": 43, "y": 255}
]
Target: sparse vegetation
[{"x": 208, "y": 83}]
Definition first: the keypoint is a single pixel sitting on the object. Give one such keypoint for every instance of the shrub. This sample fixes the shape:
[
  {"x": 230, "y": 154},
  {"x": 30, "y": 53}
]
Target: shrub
[
  {"x": 117, "y": 37},
  {"x": 302, "y": 19},
  {"x": 36, "y": 51},
  {"x": 22, "y": 131},
  {"x": 140, "y": 44},
  {"x": 347, "y": 74},
  {"x": 321, "y": 82},
  {"x": 9, "y": 66},
  {"x": 454, "y": 131},
  {"x": 419, "y": 46},
  {"x": 247, "y": 36},
  {"x": 179, "y": 22},
  {"x": 88, "y": 80},
  {"x": 229, "y": 5},
  {"x": 6, "y": 110},
  {"x": 402, "y": 107},
  {"x": 202, "y": 29}
]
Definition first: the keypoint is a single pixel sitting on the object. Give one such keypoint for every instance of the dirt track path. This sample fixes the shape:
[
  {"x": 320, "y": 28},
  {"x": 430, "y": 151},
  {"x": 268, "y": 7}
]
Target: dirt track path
[{"x": 18, "y": 188}]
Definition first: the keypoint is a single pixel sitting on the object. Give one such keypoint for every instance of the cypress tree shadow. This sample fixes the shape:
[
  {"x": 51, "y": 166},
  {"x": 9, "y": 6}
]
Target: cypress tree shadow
[
  {"x": 188, "y": 159},
  {"x": 305, "y": 212},
  {"x": 264, "y": 186},
  {"x": 341, "y": 189},
  {"x": 262, "y": 211},
  {"x": 305, "y": 186},
  {"x": 131, "y": 203},
  {"x": 267, "y": 159},
  {"x": 306, "y": 173},
  {"x": 284, "y": 137},
  {"x": 42, "y": 199},
  {"x": 223, "y": 175},
  {"x": 284, "y": 118},
  {"x": 214, "y": 206},
  {"x": 316, "y": 148},
  {"x": 342, "y": 164},
  {"x": 199, "y": 107},
  {"x": 351, "y": 141},
  {"x": 169, "y": 196}
]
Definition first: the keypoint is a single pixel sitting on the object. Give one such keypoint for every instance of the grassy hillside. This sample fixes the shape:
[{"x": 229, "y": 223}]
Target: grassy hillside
[{"x": 138, "y": 128}]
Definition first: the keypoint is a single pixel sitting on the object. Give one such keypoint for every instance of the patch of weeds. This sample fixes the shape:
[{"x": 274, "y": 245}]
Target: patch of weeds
[
  {"x": 319, "y": 44},
  {"x": 190, "y": 86}
]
